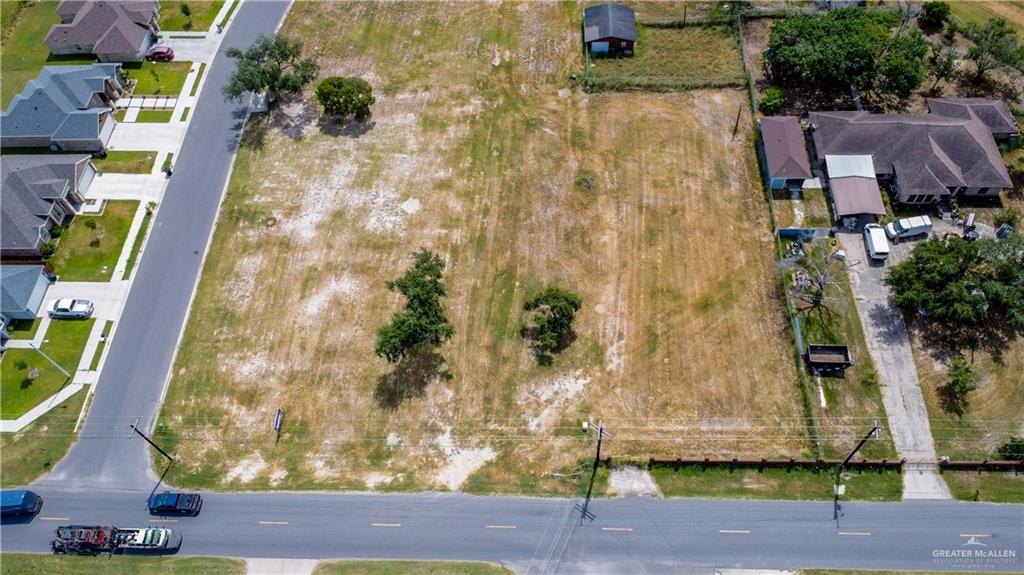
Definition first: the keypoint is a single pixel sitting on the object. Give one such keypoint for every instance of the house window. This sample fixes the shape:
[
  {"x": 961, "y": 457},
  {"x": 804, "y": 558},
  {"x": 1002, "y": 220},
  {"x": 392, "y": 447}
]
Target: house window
[
  {"x": 928, "y": 199},
  {"x": 44, "y": 234},
  {"x": 57, "y": 213}
]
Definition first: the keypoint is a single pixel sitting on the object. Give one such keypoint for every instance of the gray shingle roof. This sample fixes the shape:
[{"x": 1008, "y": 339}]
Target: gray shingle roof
[
  {"x": 927, "y": 152},
  {"x": 17, "y": 282},
  {"x": 108, "y": 26},
  {"x": 784, "y": 147},
  {"x": 61, "y": 103},
  {"x": 609, "y": 21},
  {"x": 993, "y": 113},
  {"x": 30, "y": 185}
]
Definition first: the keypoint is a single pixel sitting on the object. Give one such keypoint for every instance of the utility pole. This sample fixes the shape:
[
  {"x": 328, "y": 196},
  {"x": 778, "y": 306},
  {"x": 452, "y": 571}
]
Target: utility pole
[
  {"x": 150, "y": 441},
  {"x": 839, "y": 470},
  {"x": 584, "y": 514}
]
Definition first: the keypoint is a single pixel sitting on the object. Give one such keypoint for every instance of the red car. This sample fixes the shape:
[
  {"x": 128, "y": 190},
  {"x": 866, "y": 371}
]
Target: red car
[{"x": 160, "y": 54}]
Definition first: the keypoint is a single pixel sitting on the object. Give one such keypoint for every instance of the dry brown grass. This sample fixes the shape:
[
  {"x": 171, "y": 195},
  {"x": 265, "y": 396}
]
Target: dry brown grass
[{"x": 474, "y": 152}]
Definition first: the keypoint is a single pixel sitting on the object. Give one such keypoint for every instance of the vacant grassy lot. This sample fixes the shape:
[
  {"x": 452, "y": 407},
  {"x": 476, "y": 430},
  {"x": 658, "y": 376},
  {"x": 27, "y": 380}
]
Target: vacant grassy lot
[
  {"x": 27, "y": 563},
  {"x": 23, "y": 52},
  {"x": 777, "y": 484},
  {"x": 675, "y": 57},
  {"x": 89, "y": 248},
  {"x": 126, "y": 162},
  {"x": 26, "y": 377},
  {"x": 978, "y": 11},
  {"x": 995, "y": 487},
  {"x": 408, "y": 568},
  {"x": 475, "y": 150},
  {"x": 27, "y": 454},
  {"x": 200, "y": 19},
  {"x": 158, "y": 78}
]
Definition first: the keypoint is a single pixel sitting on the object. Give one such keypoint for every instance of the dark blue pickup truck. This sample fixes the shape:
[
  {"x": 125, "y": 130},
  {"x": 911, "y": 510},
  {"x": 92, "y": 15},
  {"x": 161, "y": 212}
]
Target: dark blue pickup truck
[
  {"x": 168, "y": 503},
  {"x": 15, "y": 502}
]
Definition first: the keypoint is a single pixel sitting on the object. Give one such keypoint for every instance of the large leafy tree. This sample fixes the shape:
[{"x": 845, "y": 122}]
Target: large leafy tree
[
  {"x": 422, "y": 323},
  {"x": 273, "y": 65},
  {"x": 996, "y": 44},
  {"x": 345, "y": 97}
]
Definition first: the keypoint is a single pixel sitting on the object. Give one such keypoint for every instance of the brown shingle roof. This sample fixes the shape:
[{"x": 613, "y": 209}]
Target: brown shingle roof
[
  {"x": 784, "y": 147},
  {"x": 109, "y": 26},
  {"x": 993, "y": 113}
]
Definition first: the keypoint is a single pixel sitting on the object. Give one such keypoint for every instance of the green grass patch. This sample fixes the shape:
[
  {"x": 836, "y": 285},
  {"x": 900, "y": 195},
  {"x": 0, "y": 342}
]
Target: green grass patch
[
  {"x": 409, "y": 568},
  {"x": 89, "y": 249},
  {"x": 184, "y": 114},
  {"x": 9, "y": 12},
  {"x": 201, "y": 15},
  {"x": 23, "y": 52},
  {"x": 692, "y": 481},
  {"x": 997, "y": 487},
  {"x": 154, "y": 116},
  {"x": 231, "y": 11},
  {"x": 199, "y": 78},
  {"x": 24, "y": 328},
  {"x": 26, "y": 377},
  {"x": 126, "y": 162},
  {"x": 29, "y": 453},
  {"x": 168, "y": 162},
  {"x": 137, "y": 244},
  {"x": 26, "y": 563},
  {"x": 673, "y": 58},
  {"x": 107, "y": 325},
  {"x": 158, "y": 78},
  {"x": 120, "y": 114}
]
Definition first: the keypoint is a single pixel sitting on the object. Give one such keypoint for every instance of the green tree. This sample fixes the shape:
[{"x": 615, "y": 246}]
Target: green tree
[
  {"x": 345, "y": 97},
  {"x": 941, "y": 66},
  {"x": 771, "y": 101},
  {"x": 1013, "y": 449},
  {"x": 953, "y": 394},
  {"x": 902, "y": 66},
  {"x": 933, "y": 15},
  {"x": 996, "y": 45},
  {"x": 551, "y": 316},
  {"x": 273, "y": 65},
  {"x": 422, "y": 323}
]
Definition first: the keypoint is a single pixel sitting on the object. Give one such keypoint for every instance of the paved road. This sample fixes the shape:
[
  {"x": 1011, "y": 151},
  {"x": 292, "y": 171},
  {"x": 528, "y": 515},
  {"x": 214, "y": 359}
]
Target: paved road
[
  {"x": 536, "y": 535},
  {"x": 132, "y": 382},
  {"x": 889, "y": 346}
]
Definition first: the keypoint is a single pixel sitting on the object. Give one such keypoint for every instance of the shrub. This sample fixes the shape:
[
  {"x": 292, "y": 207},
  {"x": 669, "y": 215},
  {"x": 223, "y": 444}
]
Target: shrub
[
  {"x": 1010, "y": 216},
  {"x": 933, "y": 15},
  {"x": 1013, "y": 449},
  {"x": 47, "y": 250},
  {"x": 91, "y": 224},
  {"x": 961, "y": 382},
  {"x": 344, "y": 97},
  {"x": 56, "y": 231},
  {"x": 552, "y": 314},
  {"x": 771, "y": 101}
]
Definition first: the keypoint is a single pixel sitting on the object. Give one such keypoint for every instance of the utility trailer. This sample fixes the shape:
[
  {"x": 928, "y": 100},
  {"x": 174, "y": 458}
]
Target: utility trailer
[
  {"x": 828, "y": 358},
  {"x": 96, "y": 539}
]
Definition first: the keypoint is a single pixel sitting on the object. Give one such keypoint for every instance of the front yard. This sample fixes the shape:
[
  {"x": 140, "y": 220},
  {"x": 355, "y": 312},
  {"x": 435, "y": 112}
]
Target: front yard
[
  {"x": 27, "y": 454},
  {"x": 118, "y": 162},
  {"x": 88, "y": 250},
  {"x": 200, "y": 18},
  {"x": 477, "y": 150},
  {"x": 26, "y": 377},
  {"x": 158, "y": 78},
  {"x": 28, "y": 563},
  {"x": 861, "y": 485}
]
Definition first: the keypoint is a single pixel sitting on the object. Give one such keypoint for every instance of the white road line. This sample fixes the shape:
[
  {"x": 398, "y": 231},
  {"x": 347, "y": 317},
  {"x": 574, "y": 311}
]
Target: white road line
[
  {"x": 499, "y": 526},
  {"x": 616, "y": 529},
  {"x": 975, "y": 535},
  {"x": 744, "y": 531},
  {"x": 273, "y": 522},
  {"x": 385, "y": 525},
  {"x": 53, "y": 519},
  {"x": 856, "y": 533},
  {"x": 163, "y": 520}
]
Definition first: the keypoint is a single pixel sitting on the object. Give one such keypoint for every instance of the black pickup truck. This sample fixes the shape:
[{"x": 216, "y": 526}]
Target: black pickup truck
[{"x": 168, "y": 503}]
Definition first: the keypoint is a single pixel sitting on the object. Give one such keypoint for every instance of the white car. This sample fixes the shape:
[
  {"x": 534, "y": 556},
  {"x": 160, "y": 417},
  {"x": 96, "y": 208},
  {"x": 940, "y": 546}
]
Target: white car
[
  {"x": 874, "y": 239},
  {"x": 908, "y": 227},
  {"x": 68, "y": 308}
]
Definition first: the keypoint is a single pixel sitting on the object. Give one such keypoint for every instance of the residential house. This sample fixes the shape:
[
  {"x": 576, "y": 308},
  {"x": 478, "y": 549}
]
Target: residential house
[
  {"x": 924, "y": 158},
  {"x": 66, "y": 108},
  {"x": 22, "y": 289},
  {"x": 39, "y": 192},
  {"x": 113, "y": 30},
  {"x": 853, "y": 186},
  {"x": 993, "y": 113},
  {"x": 785, "y": 156},
  {"x": 609, "y": 29}
]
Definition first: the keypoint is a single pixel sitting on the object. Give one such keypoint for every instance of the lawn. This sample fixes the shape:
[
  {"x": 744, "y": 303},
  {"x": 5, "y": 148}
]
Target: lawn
[
  {"x": 809, "y": 211},
  {"x": 158, "y": 78},
  {"x": 26, "y": 563},
  {"x": 977, "y": 11},
  {"x": 137, "y": 244},
  {"x": 154, "y": 116},
  {"x": 201, "y": 15},
  {"x": 23, "y": 52},
  {"x": 64, "y": 343},
  {"x": 107, "y": 325},
  {"x": 695, "y": 56},
  {"x": 199, "y": 78},
  {"x": 184, "y": 113},
  {"x": 23, "y": 328},
  {"x": 996, "y": 487},
  {"x": 29, "y": 453},
  {"x": 475, "y": 151},
  {"x": 777, "y": 484},
  {"x": 408, "y": 568},
  {"x": 89, "y": 248},
  {"x": 118, "y": 162}
]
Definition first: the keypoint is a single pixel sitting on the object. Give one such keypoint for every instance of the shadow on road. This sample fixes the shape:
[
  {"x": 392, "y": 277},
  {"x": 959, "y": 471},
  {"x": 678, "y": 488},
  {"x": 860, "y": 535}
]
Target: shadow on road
[{"x": 159, "y": 482}]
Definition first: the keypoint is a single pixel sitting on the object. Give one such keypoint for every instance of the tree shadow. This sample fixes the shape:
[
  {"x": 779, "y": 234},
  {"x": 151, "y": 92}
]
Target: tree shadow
[
  {"x": 544, "y": 355},
  {"x": 988, "y": 87},
  {"x": 952, "y": 402},
  {"x": 888, "y": 323},
  {"x": 409, "y": 379},
  {"x": 348, "y": 127},
  {"x": 291, "y": 115},
  {"x": 255, "y": 135}
]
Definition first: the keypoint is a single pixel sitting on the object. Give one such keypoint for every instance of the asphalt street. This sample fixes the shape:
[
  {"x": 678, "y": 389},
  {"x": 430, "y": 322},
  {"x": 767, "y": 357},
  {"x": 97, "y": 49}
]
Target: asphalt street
[
  {"x": 131, "y": 384},
  {"x": 544, "y": 535}
]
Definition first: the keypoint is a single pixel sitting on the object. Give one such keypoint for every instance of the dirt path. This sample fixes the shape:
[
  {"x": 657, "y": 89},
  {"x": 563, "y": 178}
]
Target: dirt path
[{"x": 889, "y": 346}]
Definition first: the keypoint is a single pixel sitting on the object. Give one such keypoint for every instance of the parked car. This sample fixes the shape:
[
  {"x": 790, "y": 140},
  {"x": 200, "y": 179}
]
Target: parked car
[
  {"x": 908, "y": 227},
  {"x": 168, "y": 503},
  {"x": 68, "y": 308},
  {"x": 15, "y": 502},
  {"x": 160, "y": 53},
  {"x": 874, "y": 239}
]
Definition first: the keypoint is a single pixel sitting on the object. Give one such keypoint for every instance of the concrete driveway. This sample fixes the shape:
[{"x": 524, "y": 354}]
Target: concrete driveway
[
  {"x": 889, "y": 346},
  {"x": 107, "y": 297}
]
